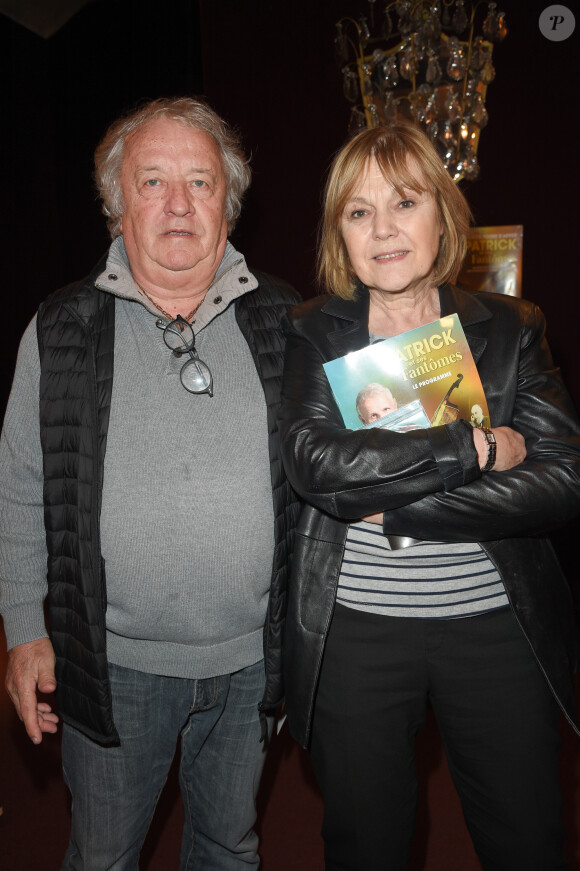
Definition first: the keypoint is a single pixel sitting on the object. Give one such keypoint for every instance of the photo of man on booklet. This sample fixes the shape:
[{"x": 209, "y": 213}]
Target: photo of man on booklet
[{"x": 374, "y": 402}]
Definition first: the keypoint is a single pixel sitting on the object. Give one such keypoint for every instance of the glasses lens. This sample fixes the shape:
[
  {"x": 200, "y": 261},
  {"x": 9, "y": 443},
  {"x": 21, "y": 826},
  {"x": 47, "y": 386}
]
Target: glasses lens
[
  {"x": 178, "y": 335},
  {"x": 196, "y": 377}
]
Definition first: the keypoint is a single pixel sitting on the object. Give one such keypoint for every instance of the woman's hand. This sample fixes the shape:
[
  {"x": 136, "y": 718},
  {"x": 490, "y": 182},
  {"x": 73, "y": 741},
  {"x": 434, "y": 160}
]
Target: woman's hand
[
  {"x": 510, "y": 450},
  {"x": 374, "y": 518}
]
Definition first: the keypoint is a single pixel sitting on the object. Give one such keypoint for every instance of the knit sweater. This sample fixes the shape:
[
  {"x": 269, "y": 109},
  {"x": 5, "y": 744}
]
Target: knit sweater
[{"x": 187, "y": 520}]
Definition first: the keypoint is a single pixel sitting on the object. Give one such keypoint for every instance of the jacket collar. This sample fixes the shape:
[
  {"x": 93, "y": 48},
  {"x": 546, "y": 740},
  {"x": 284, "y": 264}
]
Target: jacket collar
[
  {"x": 472, "y": 312},
  {"x": 353, "y": 332}
]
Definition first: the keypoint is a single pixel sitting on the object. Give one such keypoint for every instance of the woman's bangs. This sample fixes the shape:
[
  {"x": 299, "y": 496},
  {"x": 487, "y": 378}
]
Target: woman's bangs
[{"x": 400, "y": 168}]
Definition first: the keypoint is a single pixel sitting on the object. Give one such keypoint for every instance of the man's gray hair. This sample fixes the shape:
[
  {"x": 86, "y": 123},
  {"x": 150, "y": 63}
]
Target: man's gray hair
[
  {"x": 192, "y": 112},
  {"x": 372, "y": 389}
]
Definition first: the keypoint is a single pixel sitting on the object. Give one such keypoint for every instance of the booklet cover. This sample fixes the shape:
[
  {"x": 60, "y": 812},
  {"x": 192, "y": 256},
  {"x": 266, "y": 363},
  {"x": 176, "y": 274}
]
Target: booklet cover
[
  {"x": 424, "y": 377},
  {"x": 494, "y": 259}
]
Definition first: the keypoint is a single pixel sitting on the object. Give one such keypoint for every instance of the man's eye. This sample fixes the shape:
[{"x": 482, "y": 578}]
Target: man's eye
[
  {"x": 199, "y": 183},
  {"x": 152, "y": 182}
]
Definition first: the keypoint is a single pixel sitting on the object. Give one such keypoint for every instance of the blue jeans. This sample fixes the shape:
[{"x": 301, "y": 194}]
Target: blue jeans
[{"x": 115, "y": 790}]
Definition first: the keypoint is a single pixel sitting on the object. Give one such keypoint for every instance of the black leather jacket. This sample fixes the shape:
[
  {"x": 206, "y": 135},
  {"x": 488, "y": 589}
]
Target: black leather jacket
[{"x": 428, "y": 482}]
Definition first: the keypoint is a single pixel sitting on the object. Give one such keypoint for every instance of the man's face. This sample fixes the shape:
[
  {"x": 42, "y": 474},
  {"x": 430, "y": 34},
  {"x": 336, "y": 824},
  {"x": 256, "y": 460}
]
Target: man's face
[
  {"x": 476, "y": 415},
  {"x": 376, "y": 406},
  {"x": 173, "y": 186}
]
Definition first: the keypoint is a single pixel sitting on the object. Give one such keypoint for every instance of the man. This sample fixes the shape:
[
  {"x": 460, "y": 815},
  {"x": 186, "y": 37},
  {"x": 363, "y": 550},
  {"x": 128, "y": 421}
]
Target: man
[
  {"x": 154, "y": 463},
  {"x": 374, "y": 401},
  {"x": 477, "y": 417}
]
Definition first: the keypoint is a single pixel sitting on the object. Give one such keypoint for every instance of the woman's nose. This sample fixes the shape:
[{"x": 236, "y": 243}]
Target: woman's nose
[{"x": 384, "y": 224}]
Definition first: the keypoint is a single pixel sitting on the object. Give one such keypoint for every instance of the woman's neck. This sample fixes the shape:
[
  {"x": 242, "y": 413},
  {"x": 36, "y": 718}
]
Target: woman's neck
[{"x": 390, "y": 314}]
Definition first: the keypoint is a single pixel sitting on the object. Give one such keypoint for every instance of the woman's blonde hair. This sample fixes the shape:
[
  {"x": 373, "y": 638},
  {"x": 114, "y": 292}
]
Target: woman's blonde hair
[{"x": 407, "y": 159}]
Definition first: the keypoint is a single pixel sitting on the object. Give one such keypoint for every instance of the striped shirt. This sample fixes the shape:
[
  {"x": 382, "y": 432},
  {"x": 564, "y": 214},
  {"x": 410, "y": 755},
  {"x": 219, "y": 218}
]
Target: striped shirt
[{"x": 431, "y": 579}]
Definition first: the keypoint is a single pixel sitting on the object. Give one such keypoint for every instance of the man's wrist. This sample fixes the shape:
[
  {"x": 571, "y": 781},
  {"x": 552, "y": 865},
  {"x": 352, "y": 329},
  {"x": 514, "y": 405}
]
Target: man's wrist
[{"x": 23, "y": 624}]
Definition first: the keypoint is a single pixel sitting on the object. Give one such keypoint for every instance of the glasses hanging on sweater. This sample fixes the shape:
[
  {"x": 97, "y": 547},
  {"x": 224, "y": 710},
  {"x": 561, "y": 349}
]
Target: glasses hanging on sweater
[{"x": 195, "y": 375}]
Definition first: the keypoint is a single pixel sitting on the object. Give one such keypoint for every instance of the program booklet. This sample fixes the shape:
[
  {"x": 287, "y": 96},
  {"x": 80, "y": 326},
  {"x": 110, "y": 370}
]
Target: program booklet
[{"x": 424, "y": 377}]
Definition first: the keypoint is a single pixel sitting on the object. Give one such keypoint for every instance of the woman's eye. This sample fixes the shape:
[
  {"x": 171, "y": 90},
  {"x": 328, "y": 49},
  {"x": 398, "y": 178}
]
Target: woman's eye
[
  {"x": 406, "y": 204},
  {"x": 358, "y": 213}
]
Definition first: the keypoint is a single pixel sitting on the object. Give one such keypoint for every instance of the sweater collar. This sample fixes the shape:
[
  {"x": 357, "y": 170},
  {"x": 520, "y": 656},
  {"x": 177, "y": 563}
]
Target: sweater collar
[{"x": 232, "y": 280}]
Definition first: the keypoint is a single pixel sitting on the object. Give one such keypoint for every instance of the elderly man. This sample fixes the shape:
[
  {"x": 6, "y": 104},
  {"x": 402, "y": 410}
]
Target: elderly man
[
  {"x": 477, "y": 417},
  {"x": 152, "y": 460}
]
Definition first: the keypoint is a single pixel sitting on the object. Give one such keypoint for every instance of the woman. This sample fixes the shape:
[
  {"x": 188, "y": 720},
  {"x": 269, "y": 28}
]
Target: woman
[{"x": 420, "y": 571}]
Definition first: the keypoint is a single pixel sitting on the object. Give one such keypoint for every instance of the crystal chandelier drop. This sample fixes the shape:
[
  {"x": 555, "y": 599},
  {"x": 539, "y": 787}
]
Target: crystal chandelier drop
[{"x": 423, "y": 61}]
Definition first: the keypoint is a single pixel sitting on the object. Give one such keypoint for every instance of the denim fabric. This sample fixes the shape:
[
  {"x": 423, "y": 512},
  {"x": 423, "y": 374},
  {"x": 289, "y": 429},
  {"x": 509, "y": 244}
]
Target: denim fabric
[{"x": 115, "y": 790}]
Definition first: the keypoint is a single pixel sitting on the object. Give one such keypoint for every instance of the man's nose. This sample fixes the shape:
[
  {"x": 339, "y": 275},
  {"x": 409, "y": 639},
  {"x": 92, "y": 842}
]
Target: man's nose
[{"x": 179, "y": 200}]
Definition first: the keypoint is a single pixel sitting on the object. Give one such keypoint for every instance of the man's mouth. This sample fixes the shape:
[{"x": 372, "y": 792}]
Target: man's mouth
[{"x": 178, "y": 233}]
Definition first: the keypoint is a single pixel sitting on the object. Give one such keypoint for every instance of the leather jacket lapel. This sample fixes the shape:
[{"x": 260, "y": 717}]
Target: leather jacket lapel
[
  {"x": 351, "y": 318},
  {"x": 472, "y": 312}
]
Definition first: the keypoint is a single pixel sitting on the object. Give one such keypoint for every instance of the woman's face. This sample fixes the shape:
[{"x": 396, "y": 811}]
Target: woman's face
[{"x": 392, "y": 241}]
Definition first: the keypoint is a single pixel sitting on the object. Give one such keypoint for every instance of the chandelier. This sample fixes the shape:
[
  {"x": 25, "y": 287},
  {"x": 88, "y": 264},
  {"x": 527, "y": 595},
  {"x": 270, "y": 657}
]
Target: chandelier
[{"x": 423, "y": 61}]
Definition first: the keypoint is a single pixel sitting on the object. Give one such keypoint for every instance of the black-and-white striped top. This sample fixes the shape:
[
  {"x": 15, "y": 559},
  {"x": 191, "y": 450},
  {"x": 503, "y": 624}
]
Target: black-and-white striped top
[{"x": 431, "y": 579}]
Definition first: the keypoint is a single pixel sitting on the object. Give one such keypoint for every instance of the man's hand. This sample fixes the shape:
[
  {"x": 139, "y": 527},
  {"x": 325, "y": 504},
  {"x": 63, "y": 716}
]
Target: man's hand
[{"x": 31, "y": 670}]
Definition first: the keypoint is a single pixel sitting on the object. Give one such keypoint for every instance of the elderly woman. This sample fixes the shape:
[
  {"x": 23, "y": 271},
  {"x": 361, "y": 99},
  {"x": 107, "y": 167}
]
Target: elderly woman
[{"x": 421, "y": 572}]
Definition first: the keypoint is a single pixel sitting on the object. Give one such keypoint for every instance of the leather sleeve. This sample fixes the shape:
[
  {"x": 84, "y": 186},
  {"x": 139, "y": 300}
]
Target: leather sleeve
[
  {"x": 541, "y": 493},
  {"x": 350, "y": 473}
]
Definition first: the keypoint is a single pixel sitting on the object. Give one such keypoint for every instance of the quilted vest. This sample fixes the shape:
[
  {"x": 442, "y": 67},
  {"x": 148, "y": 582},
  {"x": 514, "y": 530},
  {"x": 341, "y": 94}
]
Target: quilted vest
[{"x": 76, "y": 332}]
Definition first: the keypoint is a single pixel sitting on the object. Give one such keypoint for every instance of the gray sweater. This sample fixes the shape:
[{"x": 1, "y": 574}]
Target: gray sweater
[{"x": 187, "y": 521}]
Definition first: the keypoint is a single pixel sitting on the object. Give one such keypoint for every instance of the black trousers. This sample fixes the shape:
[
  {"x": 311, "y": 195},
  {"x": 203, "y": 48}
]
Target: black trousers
[{"x": 497, "y": 719}]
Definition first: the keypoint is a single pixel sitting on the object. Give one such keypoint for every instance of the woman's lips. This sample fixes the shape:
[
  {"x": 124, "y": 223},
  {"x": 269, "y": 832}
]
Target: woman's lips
[{"x": 393, "y": 255}]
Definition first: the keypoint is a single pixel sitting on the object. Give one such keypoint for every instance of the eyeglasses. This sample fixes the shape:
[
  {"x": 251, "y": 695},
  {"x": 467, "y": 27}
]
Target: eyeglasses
[{"x": 195, "y": 374}]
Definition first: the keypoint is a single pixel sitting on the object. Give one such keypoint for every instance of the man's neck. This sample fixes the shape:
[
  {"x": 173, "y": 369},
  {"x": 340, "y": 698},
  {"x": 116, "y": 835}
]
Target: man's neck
[{"x": 176, "y": 293}]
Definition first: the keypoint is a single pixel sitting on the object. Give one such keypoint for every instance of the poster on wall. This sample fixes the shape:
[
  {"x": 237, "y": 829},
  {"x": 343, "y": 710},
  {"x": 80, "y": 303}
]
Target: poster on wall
[{"x": 494, "y": 260}]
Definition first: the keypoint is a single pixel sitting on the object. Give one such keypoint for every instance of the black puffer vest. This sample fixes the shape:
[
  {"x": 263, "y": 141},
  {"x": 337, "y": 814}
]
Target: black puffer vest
[{"x": 76, "y": 331}]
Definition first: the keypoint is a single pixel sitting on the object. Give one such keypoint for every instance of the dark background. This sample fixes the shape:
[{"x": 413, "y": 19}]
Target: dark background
[{"x": 268, "y": 67}]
